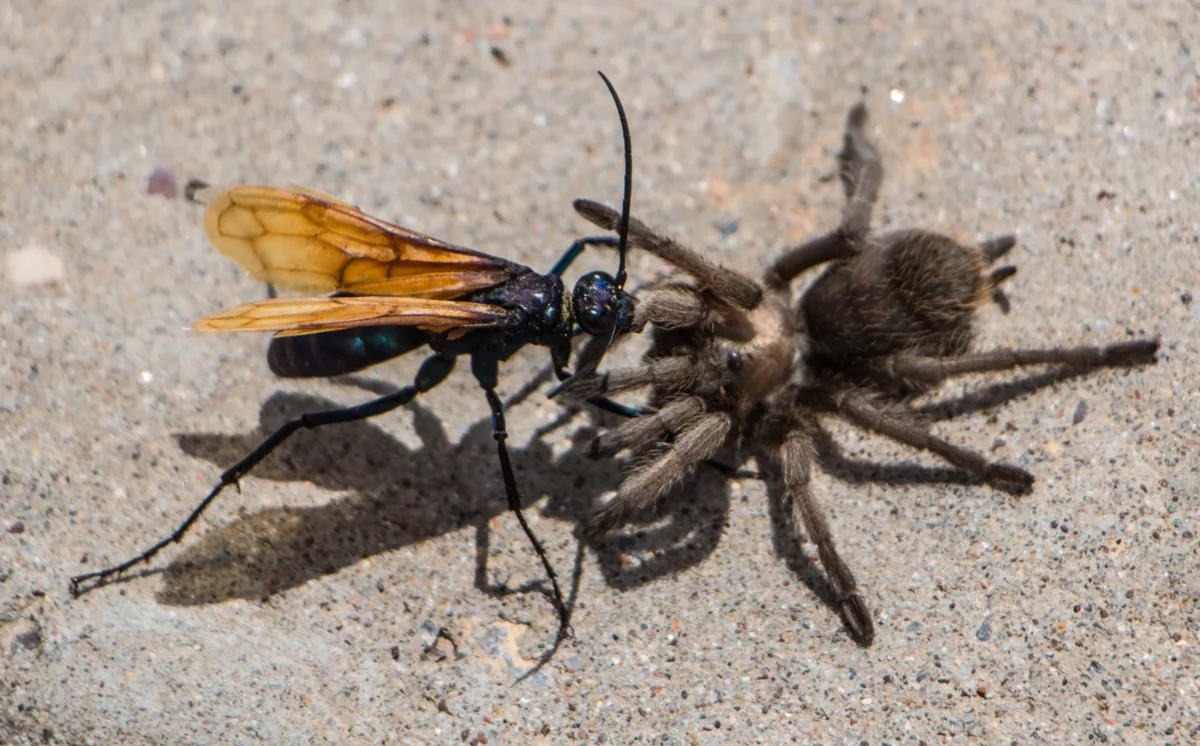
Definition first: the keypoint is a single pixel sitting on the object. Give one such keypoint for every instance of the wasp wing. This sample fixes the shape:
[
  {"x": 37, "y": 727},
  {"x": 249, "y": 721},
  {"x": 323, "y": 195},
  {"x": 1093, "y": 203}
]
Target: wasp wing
[
  {"x": 306, "y": 241},
  {"x": 295, "y": 316}
]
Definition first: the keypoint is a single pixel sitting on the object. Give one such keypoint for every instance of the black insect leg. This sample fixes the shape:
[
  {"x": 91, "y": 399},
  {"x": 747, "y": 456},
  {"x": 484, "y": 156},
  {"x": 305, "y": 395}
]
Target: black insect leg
[
  {"x": 559, "y": 355},
  {"x": 577, "y": 248},
  {"x": 605, "y": 404},
  {"x": 486, "y": 369},
  {"x": 433, "y": 371}
]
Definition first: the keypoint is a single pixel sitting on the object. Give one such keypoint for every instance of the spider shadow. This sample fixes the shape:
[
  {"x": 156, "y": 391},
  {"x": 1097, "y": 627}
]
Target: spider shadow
[
  {"x": 834, "y": 462},
  {"x": 681, "y": 531},
  {"x": 701, "y": 521},
  {"x": 397, "y": 496}
]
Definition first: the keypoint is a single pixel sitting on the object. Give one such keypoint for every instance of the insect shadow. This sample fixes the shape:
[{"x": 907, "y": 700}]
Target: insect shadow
[
  {"x": 399, "y": 496},
  {"x": 684, "y": 533}
]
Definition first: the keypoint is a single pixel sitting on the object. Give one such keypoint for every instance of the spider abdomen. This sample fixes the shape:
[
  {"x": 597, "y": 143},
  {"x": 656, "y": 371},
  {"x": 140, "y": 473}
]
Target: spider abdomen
[
  {"x": 908, "y": 291},
  {"x": 936, "y": 280}
]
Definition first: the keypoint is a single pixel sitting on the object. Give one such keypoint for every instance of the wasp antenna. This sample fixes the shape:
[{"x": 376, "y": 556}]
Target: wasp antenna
[
  {"x": 590, "y": 359},
  {"x": 627, "y": 200}
]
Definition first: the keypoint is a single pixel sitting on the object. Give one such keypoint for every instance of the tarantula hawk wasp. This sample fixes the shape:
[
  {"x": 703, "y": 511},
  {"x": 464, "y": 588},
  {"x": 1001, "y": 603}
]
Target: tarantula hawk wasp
[{"x": 394, "y": 291}]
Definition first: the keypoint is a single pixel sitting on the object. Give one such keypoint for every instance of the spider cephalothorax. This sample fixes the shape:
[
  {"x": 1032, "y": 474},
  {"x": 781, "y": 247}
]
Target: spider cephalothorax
[{"x": 891, "y": 316}]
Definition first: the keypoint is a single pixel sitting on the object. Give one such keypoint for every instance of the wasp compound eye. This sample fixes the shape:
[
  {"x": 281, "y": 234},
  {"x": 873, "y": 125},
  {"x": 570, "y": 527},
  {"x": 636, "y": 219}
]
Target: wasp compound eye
[{"x": 594, "y": 299}]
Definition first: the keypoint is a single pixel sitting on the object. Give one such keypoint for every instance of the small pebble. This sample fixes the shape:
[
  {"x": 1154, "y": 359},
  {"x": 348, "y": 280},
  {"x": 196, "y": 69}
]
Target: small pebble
[
  {"x": 1080, "y": 412},
  {"x": 163, "y": 182},
  {"x": 33, "y": 266},
  {"x": 500, "y": 56},
  {"x": 984, "y": 633}
]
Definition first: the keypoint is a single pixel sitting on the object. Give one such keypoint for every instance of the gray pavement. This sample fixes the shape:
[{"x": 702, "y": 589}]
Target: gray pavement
[{"x": 306, "y": 609}]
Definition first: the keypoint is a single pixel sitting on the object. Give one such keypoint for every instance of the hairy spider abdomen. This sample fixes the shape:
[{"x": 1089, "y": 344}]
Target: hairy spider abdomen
[{"x": 907, "y": 291}]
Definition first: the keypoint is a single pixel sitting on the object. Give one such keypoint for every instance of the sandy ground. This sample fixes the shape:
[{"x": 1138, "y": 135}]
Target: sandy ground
[{"x": 306, "y": 609}]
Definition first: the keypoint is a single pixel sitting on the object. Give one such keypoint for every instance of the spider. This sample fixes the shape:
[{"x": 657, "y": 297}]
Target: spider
[{"x": 735, "y": 361}]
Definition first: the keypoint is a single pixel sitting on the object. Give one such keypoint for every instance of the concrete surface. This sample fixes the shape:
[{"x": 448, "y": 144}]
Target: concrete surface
[{"x": 300, "y": 610}]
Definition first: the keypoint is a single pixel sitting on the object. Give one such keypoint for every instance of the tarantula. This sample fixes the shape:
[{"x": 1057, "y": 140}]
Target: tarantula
[{"x": 891, "y": 317}]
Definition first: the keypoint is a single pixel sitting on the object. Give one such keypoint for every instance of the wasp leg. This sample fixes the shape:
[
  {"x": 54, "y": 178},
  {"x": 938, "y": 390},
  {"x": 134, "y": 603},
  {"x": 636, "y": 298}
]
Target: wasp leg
[
  {"x": 577, "y": 248},
  {"x": 486, "y": 370}
]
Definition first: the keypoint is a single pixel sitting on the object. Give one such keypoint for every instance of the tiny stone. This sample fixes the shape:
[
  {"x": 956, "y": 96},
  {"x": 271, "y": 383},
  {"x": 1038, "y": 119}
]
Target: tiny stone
[
  {"x": 17, "y": 528},
  {"x": 984, "y": 633},
  {"x": 729, "y": 227},
  {"x": 1080, "y": 412},
  {"x": 162, "y": 182},
  {"x": 33, "y": 266},
  {"x": 500, "y": 56}
]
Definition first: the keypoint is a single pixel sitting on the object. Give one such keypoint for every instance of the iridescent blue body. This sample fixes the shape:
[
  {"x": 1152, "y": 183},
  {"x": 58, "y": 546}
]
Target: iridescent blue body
[{"x": 540, "y": 312}]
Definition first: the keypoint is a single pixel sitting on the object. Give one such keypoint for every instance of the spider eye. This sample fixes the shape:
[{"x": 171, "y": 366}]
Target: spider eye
[{"x": 733, "y": 361}]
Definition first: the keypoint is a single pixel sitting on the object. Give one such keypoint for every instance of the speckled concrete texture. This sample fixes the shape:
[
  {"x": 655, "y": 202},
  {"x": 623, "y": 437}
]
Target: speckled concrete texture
[{"x": 307, "y": 607}]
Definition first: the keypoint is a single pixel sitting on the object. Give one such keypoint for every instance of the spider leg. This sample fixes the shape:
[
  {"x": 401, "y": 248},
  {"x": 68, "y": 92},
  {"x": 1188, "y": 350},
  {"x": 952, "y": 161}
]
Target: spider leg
[
  {"x": 730, "y": 286},
  {"x": 933, "y": 370},
  {"x": 603, "y": 403},
  {"x": 647, "y": 483},
  {"x": 862, "y": 174},
  {"x": 862, "y": 412},
  {"x": 799, "y": 259},
  {"x": 666, "y": 373},
  {"x": 640, "y": 432},
  {"x": 796, "y": 456},
  {"x": 671, "y": 307}
]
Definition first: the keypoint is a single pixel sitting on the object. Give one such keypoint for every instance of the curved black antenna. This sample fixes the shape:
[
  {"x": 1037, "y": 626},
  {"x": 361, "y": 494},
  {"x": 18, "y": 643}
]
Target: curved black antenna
[
  {"x": 588, "y": 366},
  {"x": 589, "y": 363},
  {"x": 627, "y": 200}
]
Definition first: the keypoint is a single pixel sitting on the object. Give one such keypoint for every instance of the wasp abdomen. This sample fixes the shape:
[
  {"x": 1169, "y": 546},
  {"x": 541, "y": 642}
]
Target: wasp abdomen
[{"x": 337, "y": 353}]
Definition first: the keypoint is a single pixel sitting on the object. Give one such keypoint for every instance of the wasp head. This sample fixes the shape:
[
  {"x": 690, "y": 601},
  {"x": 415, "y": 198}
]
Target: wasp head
[{"x": 601, "y": 306}]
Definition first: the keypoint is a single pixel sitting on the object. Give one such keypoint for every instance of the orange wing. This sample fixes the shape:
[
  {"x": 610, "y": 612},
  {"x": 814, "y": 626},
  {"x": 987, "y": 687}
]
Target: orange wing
[
  {"x": 306, "y": 241},
  {"x": 296, "y": 316}
]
